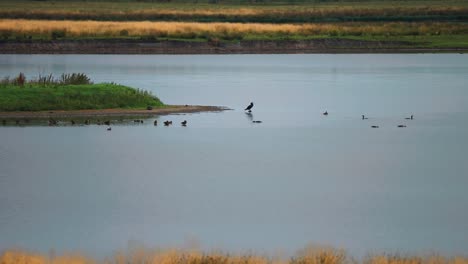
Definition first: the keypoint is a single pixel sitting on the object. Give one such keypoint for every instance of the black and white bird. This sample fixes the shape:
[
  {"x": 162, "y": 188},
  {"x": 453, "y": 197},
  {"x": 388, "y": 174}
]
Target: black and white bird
[
  {"x": 249, "y": 107},
  {"x": 184, "y": 123}
]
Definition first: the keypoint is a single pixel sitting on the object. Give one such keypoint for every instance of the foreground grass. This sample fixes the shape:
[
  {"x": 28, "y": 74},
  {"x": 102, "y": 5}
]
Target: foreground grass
[
  {"x": 239, "y": 11},
  {"x": 35, "y": 97},
  {"x": 308, "y": 256}
]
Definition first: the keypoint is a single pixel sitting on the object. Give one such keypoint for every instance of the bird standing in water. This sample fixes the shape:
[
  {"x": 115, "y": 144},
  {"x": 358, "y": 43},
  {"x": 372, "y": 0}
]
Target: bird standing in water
[{"x": 249, "y": 107}]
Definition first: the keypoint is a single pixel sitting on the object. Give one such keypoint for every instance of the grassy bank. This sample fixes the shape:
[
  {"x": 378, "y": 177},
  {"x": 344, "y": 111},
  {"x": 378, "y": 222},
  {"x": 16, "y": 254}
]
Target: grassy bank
[
  {"x": 308, "y": 256},
  {"x": 18, "y": 94},
  {"x": 239, "y": 11}
]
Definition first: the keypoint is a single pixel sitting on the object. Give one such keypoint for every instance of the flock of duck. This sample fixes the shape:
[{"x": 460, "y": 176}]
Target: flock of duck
[
  {"x": 250, "y": 106},
  {"x": 374, "y": 126},
  {"x": 54, "y": 122},
  {"x": 248, "y": 109}
]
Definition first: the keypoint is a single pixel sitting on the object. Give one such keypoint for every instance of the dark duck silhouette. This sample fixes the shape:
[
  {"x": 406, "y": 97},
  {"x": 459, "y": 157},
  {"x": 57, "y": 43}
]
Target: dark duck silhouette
[
  {"x": 167, "y": 123},
  {"x": 184, "y": 123},
  {"x": 409, "y": 118},
  {"x": 249, "y": 107},
  {"x": 364, "y": 117},
  {"x": 109, "y": 128},
  {"x": 375, "y": 126},
  {"x": 325, "y": 113},
  {"x": 155, "y": 122},
  {"x": 401, "y": 125}
]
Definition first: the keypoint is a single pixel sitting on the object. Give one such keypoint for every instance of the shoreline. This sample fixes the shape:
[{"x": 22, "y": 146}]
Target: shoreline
[
  {"x": 312, "y": 46},
  {"x": 171, "y": 109}
]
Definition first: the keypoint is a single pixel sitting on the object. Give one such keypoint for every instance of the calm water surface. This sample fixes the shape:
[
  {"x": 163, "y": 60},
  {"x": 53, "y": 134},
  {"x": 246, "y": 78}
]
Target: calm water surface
[{"x": 297, "y": 178}]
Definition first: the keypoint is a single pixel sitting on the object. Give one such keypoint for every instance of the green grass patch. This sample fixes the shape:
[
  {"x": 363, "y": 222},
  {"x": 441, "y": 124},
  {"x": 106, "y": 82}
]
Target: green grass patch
[{"x": 36, "y": 97}]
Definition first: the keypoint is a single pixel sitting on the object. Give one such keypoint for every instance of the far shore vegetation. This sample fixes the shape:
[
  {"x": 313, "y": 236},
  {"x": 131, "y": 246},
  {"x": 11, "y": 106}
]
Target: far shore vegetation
[
  {"x": 306, "y": 256},
  {"x": 260, "y": 11},
  {"x": 425, "y": 34},
  {"x": 420, "y": 23},
  {"x": 70, "y": 92}
]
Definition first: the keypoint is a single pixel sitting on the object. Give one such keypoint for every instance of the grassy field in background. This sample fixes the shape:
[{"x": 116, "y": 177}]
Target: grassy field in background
[
  {"x": 444, "y": 34},
  {"x": 235, "y": 11},
  {"x": 424, "y": 23},
  {"x": 306, "y": 256}
]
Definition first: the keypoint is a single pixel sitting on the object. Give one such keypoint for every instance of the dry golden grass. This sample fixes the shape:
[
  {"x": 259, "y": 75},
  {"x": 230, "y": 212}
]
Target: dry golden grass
[
  {"x": 397, "y": 259},
  {"x": 190, "y": 30},
  {"x": 307, "y": 256}
]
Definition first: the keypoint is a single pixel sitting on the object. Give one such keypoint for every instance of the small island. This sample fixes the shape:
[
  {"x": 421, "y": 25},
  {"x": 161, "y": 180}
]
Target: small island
[{"x": 75, "y": 95}]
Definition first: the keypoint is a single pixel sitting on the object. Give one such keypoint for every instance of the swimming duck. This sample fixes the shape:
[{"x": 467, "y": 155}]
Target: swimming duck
[
  {"x": 364, "y": 117},
  {"x": 109, "y": 128},
  {"x": 184, "y": 123},
  {"x": 409, "y": 118},
  {"x": 257, "y": 121},
  {"x": 325, "y": 113},
  {"x": 375, "y": 126},
  {"x": 155, "y": 122},
  {"x": 401, "y": 125}
]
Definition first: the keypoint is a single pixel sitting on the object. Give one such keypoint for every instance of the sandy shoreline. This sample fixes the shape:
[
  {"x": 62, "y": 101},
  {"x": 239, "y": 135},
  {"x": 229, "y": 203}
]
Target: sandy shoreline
[
  {"x": 115, "y": 46},
  {"x": 172, "y": 109}
]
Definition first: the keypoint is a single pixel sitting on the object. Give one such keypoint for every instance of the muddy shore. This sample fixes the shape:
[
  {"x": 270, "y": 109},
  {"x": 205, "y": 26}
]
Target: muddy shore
[
  {"x": 173, "y": 109},
  {"x": 113, "y": 46}
]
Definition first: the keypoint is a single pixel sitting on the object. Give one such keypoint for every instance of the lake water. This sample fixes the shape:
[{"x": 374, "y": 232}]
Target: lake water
[{"x": 225, "y": 183}]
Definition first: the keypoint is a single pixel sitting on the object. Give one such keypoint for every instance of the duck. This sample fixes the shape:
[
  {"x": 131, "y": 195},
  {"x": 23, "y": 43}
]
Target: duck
[
  {"x": 109, "y": 128},
  {"x": 409, "y": 118},
  {"x": 364, "y": 117},
  {"x": 167, "y": 123},
  {"x": 184, "y": 123},
  {"x": 325, "y": 113},
  {"x": 375, "y": 126},
  {"x": 155, "y": 122},
  {"x": 401, "y": 125},
  {"x": 257, "y": 121}
]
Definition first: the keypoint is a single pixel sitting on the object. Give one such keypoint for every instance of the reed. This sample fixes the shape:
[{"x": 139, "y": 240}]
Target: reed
[
  {"x": 148, "y": 256},
  {"x": 67, "y": 29}
]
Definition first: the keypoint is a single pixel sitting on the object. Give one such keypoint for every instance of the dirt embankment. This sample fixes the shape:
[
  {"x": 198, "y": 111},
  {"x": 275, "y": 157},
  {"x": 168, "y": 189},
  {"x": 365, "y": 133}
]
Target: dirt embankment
[
  {"x": 113, "y": 46},
  {"x": 173, "y": 109}
]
